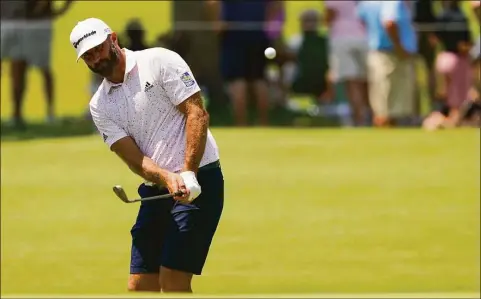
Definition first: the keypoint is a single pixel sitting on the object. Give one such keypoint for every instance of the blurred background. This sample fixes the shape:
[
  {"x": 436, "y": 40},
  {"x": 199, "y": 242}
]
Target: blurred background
[
  {"x": 375, "y": 210},
  {"x": 321, "y": 80}
]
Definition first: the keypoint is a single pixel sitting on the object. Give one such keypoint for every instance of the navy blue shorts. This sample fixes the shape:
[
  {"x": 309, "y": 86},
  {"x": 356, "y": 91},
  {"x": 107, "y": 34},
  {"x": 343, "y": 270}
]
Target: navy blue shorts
[
  {"x": 244, "y": 58},
  {"x": 174, "y": 235}
]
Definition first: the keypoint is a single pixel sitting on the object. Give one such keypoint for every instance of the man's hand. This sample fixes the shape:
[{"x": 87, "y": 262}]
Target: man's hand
[
  {"x": 464, "y": 48},
  {"x": 433, "y": 40},
  {"x": 400, "y": 52},
  {"x": 174, "y": 183},
  {"x": 331, "y": 15},
  {"x": 192, "y": 187},
  {"x": 393, "y": 33}
]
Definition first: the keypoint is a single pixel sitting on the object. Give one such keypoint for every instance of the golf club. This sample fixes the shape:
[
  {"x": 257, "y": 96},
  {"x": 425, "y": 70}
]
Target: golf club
[{"x": 120, "y": 192}]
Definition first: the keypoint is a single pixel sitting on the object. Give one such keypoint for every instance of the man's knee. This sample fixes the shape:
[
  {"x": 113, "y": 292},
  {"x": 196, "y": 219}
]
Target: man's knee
[
  {"x": 144, "y": 282},
  {"x": 175, "y": 281}
]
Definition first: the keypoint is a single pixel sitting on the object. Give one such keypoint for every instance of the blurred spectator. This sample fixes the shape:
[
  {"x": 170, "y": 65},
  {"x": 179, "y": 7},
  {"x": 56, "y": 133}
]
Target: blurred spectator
[
  {"x": 393, "y": 44},
  {"x": 475, "y": 53},
  {"x": 135, "y": 36},
  {"x": 348, "y": 54},
  {"x": 13, "y": 15},
  {"x": 469, "y": 111},
  {"x": 274, "y": 28},
  {"x": 275, "y": 24},
  {"x": 243, "y": 39},
  {"x": 176, "y": 40},
  {"x": 454, "y": 63},
  {"x": 425, "y": 21},
  {"x": 26, "y": 37},
  {"x": 307, "y": 72}
]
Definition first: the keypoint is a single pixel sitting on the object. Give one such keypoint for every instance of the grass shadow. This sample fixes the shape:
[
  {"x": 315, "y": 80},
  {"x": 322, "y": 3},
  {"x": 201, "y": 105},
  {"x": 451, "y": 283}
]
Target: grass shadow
[{"x": 67, "y": 127}]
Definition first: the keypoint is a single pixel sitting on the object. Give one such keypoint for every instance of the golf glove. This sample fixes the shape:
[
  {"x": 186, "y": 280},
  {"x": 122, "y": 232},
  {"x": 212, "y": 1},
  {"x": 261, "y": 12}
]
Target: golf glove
[{"x": 191, "y": 184}]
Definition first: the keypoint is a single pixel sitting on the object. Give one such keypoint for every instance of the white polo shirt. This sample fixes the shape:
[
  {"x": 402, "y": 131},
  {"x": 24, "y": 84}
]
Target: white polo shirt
[{"x": 144, "y": 107}]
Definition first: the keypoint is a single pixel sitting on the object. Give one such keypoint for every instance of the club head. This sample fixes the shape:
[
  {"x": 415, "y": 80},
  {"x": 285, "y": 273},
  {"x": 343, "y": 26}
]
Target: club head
[{"x": 120, "y": 192}]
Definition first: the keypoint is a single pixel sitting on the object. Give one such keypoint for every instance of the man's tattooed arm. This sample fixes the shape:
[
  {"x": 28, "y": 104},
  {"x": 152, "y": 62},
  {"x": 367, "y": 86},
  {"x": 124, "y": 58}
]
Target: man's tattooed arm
[{"x": 197, "y": 123}]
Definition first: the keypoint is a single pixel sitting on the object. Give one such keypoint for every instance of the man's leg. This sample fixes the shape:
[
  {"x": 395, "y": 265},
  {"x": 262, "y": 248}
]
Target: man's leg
[
  {"x": 188, "y": 241},
  {"x": 348, "y": 62},
  {"x": 402, "y": 95},
  {"x": 356, "y": 93},
  {"x": 38, "y": 43},
  {"x": 261, "y": 91},
  {"x": 175, "y": 281},
  {"x": 148, "y": 235},
  {"x": 256, "y": 73},
  {"x": 48, "y": 88},
  {"x": 18, "y": 76},
  {"x": 238, "y": 95},
  {"x": 144, "y": 282},
  {"x": 13, "y": 48},
  {"x": 378, "y": 66},
  {"x": 233, "y": 69}
]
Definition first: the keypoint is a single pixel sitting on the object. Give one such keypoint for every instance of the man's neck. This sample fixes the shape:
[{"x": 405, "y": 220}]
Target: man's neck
[{"x": 119, "y": 72}]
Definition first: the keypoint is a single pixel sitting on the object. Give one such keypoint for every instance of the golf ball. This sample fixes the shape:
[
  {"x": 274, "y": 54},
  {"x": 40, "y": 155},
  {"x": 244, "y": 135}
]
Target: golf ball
[{"x": 270, "y": 53}]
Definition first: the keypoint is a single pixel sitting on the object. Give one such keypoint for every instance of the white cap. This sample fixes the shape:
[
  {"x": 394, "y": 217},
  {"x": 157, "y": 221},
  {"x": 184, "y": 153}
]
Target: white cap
[{"x": 88, "y": 34}]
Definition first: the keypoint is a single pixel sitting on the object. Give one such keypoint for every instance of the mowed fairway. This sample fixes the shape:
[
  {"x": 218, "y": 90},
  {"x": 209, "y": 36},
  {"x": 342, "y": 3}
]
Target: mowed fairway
[{"x": 307, "y": 211}]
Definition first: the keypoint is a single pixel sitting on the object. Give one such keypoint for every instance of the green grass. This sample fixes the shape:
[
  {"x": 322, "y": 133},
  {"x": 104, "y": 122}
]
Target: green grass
[{"x": 307, "y": 211}]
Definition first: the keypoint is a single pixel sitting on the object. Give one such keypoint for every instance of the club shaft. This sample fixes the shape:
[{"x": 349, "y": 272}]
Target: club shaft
[{"x": 164, "y": 196}]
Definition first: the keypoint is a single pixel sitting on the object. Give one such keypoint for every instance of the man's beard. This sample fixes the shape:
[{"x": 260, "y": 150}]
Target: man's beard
[{"x": 105, "y": 67}]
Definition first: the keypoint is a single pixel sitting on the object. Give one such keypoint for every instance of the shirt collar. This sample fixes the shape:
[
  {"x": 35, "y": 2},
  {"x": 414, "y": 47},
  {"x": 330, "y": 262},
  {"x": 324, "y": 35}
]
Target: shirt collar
[{"x": 130, "y": 63}]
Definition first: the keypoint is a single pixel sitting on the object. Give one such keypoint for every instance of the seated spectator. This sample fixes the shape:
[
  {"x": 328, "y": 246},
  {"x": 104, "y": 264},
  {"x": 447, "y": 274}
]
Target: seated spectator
[
  {"x": 454, "y": 63},
  {"x": 469, "y": 112},
  {"x": 308, "y": 69},
  {"x": 475, "y": 54}
]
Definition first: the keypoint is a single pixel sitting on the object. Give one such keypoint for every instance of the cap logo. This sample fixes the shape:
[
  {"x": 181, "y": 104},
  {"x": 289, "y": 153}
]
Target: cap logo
[{"x": 75, "y": 44}]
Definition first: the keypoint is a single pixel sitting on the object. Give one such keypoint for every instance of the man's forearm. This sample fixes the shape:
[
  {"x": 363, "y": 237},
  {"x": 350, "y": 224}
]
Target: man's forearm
[
  {"x": 330, "y": 16},
  {"x": 213, "y": 10},
  {"x": 148, "y": 170},
  {"x": 393, "y": 33},
  {"x": 196, "y": 131}
]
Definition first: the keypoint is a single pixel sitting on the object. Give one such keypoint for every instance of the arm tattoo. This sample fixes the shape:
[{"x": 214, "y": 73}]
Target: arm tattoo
[{"x": 196, "y": 130}]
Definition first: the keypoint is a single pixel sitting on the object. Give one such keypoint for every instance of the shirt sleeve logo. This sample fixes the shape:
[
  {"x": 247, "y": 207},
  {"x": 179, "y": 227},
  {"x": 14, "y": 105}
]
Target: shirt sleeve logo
[
  {"x": 187, "y": 79},
  {"x": 104, "y": 137}
]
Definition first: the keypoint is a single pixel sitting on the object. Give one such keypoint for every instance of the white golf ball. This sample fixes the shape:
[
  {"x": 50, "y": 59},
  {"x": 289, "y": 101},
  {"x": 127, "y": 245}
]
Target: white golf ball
[{"x": 270, "y": 53}]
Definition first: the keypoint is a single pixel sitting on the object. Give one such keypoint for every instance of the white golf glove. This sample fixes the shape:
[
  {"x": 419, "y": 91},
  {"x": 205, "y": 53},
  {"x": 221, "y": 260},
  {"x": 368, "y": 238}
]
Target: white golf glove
[{"x": 191, "y": 184}]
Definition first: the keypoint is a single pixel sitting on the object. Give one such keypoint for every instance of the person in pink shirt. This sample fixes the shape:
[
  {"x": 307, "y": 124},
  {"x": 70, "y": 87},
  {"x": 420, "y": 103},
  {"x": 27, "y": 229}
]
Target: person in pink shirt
[{"x": 348, "y": 54}]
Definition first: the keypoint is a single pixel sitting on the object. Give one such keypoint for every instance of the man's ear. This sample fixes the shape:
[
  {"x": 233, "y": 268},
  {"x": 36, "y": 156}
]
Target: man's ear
[{"x": 114, "y": 38}]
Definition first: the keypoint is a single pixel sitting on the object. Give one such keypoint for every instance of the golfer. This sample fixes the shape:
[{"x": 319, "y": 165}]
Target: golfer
[{"x": 149, "y": 111}]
